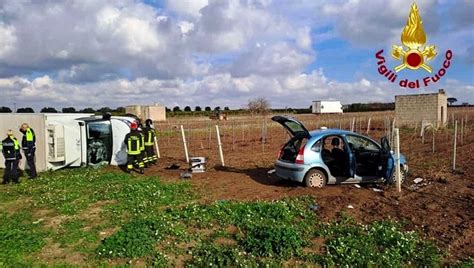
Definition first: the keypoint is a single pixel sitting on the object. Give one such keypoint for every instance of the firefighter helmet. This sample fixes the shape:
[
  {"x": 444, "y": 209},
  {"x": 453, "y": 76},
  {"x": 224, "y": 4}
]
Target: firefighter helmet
[{"x": 148, "y": 122}]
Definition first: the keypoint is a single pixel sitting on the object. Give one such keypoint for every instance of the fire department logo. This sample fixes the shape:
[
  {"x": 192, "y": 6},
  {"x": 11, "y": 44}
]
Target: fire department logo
[{"x": 413, "y": 53}]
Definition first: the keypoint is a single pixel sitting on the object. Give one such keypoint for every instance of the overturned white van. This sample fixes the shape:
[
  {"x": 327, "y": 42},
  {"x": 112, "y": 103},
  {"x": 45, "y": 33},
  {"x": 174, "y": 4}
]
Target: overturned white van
[{"x": 71, "y": 140}]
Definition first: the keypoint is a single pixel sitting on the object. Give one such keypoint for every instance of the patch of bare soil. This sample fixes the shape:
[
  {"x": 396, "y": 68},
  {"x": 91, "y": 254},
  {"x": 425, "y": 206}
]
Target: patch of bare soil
[{"x": 52, "y": 253}]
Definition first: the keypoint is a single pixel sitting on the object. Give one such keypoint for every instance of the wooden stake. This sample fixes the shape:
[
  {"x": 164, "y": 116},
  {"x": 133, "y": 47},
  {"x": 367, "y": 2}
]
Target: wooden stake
[
  {"x": 455, "y": 140},
  {"x": 209, "y": 136},
  {"x": 397, "y": 158},
  {"x": 368, "y": 125},
  {"x": 219, "y": 144},
  {"x": 184, "y": 144},
  {"x": 233, "y": 135}
]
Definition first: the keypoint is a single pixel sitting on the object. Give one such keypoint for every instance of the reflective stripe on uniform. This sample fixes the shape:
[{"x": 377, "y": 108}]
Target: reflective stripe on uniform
[
  {"x": 149, "y": 140},
  {"x": 133, "y": 146}
]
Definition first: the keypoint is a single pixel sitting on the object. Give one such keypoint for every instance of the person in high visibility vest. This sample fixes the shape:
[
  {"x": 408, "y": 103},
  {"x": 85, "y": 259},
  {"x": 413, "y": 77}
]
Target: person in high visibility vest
[
  {"x": 142, "y": 148},
  {"x": 150, "y": 134},
  {"x": 28, "y": 144},
  {"x": 134, "y": 143},
  {"x": 11, "y": 152}
]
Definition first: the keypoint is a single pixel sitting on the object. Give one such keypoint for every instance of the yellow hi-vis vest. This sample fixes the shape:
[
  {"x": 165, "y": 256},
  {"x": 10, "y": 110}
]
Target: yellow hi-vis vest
[
  {"x": 29, "y": 135},
  {"x": 134, "y": 145},
  {"x": 150, "y": 138}
]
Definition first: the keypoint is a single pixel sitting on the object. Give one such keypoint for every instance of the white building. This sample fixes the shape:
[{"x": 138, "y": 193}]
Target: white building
[{"x": 326, "y": 107}]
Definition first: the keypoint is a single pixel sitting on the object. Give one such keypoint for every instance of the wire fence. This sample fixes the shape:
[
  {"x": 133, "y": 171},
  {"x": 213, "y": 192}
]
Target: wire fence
[{"x": 260, "y": 134}]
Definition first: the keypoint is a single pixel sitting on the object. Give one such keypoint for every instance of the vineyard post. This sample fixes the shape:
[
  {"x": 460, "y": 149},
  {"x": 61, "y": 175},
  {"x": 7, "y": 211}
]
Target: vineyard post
[
  {"x": 209, "y": 135},
  {"x": 219, "y": 144},
  {"x": 462, "y": 131},
  {"x": 170, "y": 131},
  {"x": 243, "y": 133},
  {"x": 434, "y": 140},
  {"x": 455, "y": 140},
  {"x": 184, "y": 144},
  {"x": 233, "y": 135},
  {"x": 368, "y": 126},
  {"x": 157, "y": 148},
  {"x": 397, "y": 160}
]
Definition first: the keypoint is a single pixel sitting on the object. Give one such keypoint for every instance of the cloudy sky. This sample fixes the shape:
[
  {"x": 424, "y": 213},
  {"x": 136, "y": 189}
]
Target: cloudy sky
[{"x": 94, "y": 53}]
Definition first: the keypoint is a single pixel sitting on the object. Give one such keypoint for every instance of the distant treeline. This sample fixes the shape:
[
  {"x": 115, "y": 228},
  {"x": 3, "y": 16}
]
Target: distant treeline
[
  {"x": 368, "y": 107},
  {"x": 207, "y": 111}
]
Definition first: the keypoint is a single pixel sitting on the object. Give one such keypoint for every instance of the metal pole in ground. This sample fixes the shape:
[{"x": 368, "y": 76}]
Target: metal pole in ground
[
  {"x": 185, "y": 144},
  {"x": 221, "y": 154},
  {"x": 397, "y": 160},
  {"x": 455, "y": 140}
]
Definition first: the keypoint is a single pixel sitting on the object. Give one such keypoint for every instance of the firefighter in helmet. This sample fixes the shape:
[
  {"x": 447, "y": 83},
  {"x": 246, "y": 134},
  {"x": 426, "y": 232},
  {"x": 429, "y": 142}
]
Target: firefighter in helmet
[
  {"x": 134, "y": 143},
  {"x": 142, "y": 148},
  {"x": 149, "y": 132},
  {"x": 10, "y": 148}
]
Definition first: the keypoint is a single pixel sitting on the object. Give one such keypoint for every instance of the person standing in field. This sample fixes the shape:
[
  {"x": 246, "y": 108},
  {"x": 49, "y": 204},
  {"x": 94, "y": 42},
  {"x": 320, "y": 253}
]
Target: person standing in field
[
  {"x": 133, "y": 141},
  {"x": 150, "y": 134},
  {"x": 11, "y": 152},
  {"x": 28, "y": 144}
]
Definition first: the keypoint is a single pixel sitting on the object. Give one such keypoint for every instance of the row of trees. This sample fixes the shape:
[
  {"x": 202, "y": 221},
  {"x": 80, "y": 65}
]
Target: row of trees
[
  {"x": 4, "y": 109},
  {"x": 196, "y": 109}
]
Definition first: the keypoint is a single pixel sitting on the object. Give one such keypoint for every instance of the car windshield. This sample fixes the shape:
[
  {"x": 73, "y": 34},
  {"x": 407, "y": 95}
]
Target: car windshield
[{"x": 362, "y": 143}]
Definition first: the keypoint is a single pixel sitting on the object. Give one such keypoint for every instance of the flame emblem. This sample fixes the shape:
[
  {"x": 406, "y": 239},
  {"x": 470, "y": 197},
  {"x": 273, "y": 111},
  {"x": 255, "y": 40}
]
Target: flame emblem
[{"x": 413, "y": 38}]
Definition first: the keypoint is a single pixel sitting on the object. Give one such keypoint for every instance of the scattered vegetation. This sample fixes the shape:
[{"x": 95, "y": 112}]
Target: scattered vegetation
[{"x": 111, "y": 217}]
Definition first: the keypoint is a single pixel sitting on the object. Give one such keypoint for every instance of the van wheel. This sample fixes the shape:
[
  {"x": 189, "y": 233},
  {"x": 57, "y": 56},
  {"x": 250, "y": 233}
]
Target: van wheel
[{"x": 315, "y": 178}]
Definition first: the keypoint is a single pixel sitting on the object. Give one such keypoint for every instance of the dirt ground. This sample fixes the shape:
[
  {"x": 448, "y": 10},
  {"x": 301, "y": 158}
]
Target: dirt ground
[{"x": 441, "y": 206}]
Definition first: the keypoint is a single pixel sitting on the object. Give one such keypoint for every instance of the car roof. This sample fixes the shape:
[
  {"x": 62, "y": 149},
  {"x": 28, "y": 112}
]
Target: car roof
[{"x": 331, "y": 131}]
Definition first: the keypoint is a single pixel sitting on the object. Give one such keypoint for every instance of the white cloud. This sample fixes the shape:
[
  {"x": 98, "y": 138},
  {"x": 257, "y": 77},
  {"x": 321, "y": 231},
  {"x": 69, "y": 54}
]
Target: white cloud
[
  {"x": 217, "y": 52},
  {"x": 186, "y": 7},
  {"x": 7, "y": 39}
]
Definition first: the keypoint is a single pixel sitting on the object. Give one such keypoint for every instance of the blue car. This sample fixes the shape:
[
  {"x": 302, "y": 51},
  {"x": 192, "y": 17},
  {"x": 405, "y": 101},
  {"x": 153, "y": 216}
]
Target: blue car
[{"x": 333, "y": 156}]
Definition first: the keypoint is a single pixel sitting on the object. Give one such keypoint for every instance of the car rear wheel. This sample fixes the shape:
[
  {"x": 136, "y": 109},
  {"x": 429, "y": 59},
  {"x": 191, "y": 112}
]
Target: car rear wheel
[{"x": 315, "y": 178}]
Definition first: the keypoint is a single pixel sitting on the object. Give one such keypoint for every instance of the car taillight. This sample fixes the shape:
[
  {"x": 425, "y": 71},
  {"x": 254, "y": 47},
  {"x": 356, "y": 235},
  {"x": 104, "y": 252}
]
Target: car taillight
[
  {"x": 300, "y": 156},
  {"x": 280, "y": 153}
]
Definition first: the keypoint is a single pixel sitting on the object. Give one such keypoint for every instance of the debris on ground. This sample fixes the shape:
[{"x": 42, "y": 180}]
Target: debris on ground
[
  {"x": 314, "y": 207},
  {"x": 173, "y": 166},
  {"x": 271, "y": 171},
  {"x": 443, "y": 180},
  {"x": 419, "y": 185},
  {"x": 357, "y": 186},
  {"x": 350, "y": 206},
  {"x": 38, "y": 221},
  {"x": 186, "y": 175},
  {"x": 418, "y": 180},
  {"x": 377, "y": 190}
]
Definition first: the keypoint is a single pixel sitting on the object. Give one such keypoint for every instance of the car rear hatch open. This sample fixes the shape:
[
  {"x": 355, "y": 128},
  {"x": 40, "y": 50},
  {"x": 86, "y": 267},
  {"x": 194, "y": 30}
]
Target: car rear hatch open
[
  {"x": 295, "y": 127},
  {"x": 293, "y": 150}
]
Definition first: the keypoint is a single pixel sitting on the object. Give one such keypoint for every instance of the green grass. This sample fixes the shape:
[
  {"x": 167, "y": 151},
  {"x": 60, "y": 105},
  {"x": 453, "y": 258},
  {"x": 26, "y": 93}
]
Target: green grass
[{"x": 110, "y": 217}]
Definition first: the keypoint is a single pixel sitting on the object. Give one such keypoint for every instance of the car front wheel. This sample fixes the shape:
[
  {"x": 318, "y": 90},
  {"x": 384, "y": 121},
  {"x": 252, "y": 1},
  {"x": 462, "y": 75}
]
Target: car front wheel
[
  {"x": 403, "y": 175},
  {"x": 315, "y": 178}
]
